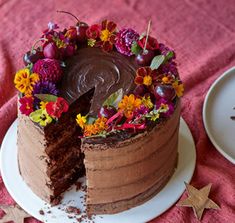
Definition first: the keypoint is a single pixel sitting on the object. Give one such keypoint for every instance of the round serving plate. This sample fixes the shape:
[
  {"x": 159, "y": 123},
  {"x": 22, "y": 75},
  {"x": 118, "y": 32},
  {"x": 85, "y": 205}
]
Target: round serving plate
[
  {"x": 217, "y": 111},
  {"x": 32, "y": 204}
]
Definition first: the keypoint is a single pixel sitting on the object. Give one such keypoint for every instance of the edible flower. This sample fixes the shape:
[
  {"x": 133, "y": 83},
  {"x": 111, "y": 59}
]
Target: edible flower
[
  {"x": 165, "y": 108},
  {"x": 145, "y": 76},
  {"x": 81, "y": 120},
  {"x": 24, "y": 81},
  {"x": 128, "y": 104},
  {"x": 99, "y": 126},
  {"x": 107, "y": 35},
  {"x": 26, "y": 105},
  {"x": 41, "y": 117},
  {"x": 93, "y": 32},
  {"x": 146, "y": 101},
  {"x": 152, "y": 43},
  {"x": 43, "y": 104},
  {"x": 55, "y": 109},
  {"x": 179, "y": 88}
]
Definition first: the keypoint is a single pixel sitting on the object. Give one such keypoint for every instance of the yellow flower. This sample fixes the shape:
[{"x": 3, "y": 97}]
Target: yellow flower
[
  {"x": 81, "y": 120},
  {"x": 24, "y": 81},
  {"x": 179, "y": 88},
  {"x": 43, "y": 104},
  {"x": 146, "y": 101},
  {"x": 147, "y": 80},
  {"x": 128, "y": 104},
  {"x": 105, "y": 35},
  {"x": 91, "y": 42}
]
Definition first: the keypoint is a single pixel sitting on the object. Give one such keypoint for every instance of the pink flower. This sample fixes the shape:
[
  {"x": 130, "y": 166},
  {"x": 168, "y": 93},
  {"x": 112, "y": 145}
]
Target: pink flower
[
  {"x": 55, "y": 109},
  {"x": 26, "y": 105},
  {"x": 48, "y": 70},
  {"x": 166, "y": 107}
]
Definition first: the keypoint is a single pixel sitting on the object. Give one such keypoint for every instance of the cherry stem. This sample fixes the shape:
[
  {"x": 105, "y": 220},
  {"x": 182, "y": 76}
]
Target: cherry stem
[
  {"x": 61, "y": 11},
  {"x": 147, "y": 34},
  {"x": 33, "y": 47}
]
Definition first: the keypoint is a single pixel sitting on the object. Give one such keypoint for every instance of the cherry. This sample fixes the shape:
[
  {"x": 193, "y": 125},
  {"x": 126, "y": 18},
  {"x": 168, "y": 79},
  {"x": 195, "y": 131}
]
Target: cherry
[
  {"x": 145, "y": 57},
  {"x": 164, "y": 91},
  {"x": 81, "y": 31},
  {"x": 107, "y": 112},
  {"x": 32, "y": 56},
  {"x": 51, "y": 51},
  {"x": 139, "y": 90},
  {"x": 80, "y": 26}
]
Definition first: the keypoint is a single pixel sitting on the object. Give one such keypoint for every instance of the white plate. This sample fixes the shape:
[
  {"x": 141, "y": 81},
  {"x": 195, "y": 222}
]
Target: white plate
[
  {"x": 217, "y": 110},
  {"x": 23, "y": 195}
]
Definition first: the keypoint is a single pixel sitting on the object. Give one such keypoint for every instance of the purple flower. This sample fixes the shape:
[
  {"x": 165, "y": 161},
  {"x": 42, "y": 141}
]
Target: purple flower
[
  {"x": 166, "y": 107},
  {"x": 124, "y": 40},
  {"x": 165, "y": 50},
  {"x": 142, "y": 110},
  {"x": 170, "y": 67},
  {"x": 45, "y": 87},
  {"x": 48, "y": 70}
]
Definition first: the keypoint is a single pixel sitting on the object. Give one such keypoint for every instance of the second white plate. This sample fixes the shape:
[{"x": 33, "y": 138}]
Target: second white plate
[{"x": 217, "y": 111}]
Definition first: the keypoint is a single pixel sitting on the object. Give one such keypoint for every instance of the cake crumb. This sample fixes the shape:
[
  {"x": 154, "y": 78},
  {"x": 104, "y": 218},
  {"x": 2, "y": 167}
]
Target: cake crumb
[
  {"x": 41, "y": 212},
  {"x": 78, "y": 186},
  {"x": 72, "y": 209}
]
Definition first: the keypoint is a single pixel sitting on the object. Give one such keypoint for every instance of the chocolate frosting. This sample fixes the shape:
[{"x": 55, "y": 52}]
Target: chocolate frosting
[{"x": 92, "y": 67}]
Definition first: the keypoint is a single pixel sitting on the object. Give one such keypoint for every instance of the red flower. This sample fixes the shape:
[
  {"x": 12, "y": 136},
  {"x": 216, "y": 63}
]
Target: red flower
[
  {"x": 71, "y": 33},
  {"x": 26, "y": 105},
  {"x": 145, "y": 76},
  {"x": 93, "y": 32},
  {"x": 152, "y": 43},
  {"x": 55, "y": 109},
  {"x": 107, "y": 35}
]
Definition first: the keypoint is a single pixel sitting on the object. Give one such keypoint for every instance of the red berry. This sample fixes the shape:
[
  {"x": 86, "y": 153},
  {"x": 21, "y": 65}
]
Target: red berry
[
  {"x": 145, "y": 57},
  {"x": 139, "y": 90},
  {"x": 164, "y": 91},
  {"x": 51, "y": 51},
  {"x": 32, "y": 56},
  {"x": 81, "y": 31}
]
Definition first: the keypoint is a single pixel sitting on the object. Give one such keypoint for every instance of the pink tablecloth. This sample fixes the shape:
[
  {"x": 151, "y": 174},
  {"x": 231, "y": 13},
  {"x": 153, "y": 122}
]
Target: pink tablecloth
[{"x": 203, "y": 35}]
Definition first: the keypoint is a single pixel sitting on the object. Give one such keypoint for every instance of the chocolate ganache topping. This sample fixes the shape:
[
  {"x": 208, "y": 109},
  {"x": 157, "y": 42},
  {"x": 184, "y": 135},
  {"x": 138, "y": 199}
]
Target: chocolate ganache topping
[{"x": 94, "y": 68}]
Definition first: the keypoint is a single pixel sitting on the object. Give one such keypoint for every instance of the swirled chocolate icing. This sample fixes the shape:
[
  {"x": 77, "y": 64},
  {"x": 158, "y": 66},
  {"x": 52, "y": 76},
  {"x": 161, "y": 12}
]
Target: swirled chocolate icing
[{"x": 92, "y": 67}]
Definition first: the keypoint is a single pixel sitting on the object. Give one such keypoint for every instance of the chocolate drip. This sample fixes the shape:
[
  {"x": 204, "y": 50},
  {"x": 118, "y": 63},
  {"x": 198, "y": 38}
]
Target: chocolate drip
[{"x": 92, "y": 67}]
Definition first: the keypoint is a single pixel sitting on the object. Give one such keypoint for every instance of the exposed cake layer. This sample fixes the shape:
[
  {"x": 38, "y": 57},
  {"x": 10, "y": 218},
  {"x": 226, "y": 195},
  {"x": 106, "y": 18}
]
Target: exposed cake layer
[
  {"x": 50, "y": 158},
  {"x": 128, "y": 169}
]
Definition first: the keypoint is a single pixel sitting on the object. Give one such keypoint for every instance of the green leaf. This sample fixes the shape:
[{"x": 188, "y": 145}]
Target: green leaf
[
  {"x": 90, "y": 120},
  {"x": 46, "y": 97},
  {"x": 157, "y": 61},
  {"x": 114, "y": 99},
  {"x": 135, "y": 48},
  {"x": 169, "y": 55}
]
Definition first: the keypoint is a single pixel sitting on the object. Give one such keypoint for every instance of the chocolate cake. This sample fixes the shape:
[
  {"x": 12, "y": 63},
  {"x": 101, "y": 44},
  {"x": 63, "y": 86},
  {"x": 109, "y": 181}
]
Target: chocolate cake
[{"x": 101, "y": 103}]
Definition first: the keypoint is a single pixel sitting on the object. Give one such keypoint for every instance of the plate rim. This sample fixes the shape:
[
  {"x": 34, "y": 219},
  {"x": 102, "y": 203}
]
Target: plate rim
[
  {"x": 205, "y": 107},
  {"x": 190, "y": 175}
]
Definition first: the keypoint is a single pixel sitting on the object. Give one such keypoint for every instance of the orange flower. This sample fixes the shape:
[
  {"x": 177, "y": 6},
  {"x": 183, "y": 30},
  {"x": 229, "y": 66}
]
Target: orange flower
[
  {"x": 98, "y": 127},
  {"x": 179, "y": 88},
  {"x": 128, "y": 104}
]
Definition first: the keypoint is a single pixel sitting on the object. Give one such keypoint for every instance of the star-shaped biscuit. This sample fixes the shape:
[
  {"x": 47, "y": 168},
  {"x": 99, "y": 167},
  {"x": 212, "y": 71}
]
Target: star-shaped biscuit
[
  {"x": 198, "y": 200},
  {"x": 13, "y": 213}
]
